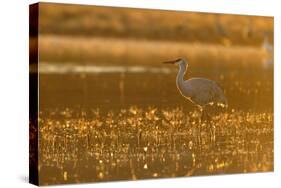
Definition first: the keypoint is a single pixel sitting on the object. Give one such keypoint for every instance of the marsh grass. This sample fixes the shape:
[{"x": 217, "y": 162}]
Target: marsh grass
[{"x": 150, "y": 142}]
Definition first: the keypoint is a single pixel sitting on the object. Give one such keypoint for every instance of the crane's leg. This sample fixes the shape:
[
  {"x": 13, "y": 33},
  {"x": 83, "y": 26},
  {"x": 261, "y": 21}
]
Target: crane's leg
[
  {"x": 205, "y": 117},
  {"x": 202, "y": 115},
  {"x": 211, "y": 129},
  {"x": 199, "y": 134},
  {"x": 201, "y": 120}
]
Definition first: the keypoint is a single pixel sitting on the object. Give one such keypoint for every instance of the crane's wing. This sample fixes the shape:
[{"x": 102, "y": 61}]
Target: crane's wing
[{"x": 205, "y": 92}]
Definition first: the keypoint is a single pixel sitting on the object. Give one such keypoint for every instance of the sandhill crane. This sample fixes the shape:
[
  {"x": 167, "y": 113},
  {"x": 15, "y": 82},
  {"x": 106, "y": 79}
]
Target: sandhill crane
[{"x": 200, "y": 91}]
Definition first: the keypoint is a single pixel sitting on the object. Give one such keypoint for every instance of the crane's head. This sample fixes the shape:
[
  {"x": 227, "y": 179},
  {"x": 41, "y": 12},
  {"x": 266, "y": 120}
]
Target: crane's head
[{"x": 180, "y": 62}]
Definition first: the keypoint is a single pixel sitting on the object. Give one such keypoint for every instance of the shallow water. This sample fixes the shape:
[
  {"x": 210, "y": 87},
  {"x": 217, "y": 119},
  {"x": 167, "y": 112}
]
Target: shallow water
[
  {"x": 250, "y": 88},
  {"x": 123, "y": 125}
]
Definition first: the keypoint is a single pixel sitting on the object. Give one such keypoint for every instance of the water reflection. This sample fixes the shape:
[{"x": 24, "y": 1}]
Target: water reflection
[
  {"x": 137, "y": 143},
  {"x": 69, "y": 68}
]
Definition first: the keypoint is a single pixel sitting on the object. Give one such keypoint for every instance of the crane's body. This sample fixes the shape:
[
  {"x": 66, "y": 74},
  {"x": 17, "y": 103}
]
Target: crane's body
[{"x": 200, "y": 91}]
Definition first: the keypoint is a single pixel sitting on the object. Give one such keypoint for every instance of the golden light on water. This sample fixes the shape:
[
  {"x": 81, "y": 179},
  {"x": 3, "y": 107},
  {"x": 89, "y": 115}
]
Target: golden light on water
[{"x": 242, "y": 143}]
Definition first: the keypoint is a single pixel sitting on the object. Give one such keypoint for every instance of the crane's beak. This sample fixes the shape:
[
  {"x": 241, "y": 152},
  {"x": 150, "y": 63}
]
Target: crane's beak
[{"x": 170, "y": 62}]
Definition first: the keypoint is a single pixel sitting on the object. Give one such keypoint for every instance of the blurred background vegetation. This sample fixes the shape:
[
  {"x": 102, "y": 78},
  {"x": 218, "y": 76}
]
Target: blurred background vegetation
[
  {"x": 125, "y": 35},
  {"x": 153, "y": 24}
]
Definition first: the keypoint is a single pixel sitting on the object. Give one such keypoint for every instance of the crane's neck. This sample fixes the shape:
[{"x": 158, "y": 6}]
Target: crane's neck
[{"x": 180, "y": 76}]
